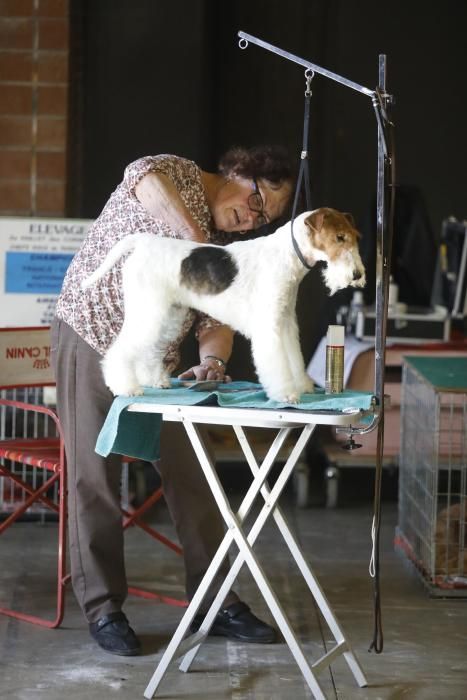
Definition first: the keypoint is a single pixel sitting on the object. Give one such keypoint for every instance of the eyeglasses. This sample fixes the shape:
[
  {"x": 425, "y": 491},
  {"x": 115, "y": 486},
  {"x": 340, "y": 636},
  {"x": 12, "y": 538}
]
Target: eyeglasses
[{"x": 256, "y": 204}]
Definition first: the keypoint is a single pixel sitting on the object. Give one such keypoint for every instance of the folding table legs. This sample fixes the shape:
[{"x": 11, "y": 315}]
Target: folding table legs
[
  {"x": 190, "y": 646},
  {"x": 177, "y": 646},
  {"x": 343, "y": 646}
]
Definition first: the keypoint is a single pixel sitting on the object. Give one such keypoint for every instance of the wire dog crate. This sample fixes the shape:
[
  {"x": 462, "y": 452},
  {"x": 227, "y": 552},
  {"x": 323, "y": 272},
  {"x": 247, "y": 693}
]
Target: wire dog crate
[{"x": 432, "y": 529}]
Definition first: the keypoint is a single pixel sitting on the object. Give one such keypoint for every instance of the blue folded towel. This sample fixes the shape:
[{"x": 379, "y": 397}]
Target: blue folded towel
[{"x": 138, "y": 434}]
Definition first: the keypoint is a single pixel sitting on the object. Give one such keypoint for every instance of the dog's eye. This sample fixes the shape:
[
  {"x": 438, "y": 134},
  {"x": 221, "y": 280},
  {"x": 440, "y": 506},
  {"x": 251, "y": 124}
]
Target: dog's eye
[{"x": 340, "y": 237}]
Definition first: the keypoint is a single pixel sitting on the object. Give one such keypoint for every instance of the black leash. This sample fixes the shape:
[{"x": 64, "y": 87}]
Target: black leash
[
  {"x": 304, "y": 171},
  {"x": 377, "y": 642}
]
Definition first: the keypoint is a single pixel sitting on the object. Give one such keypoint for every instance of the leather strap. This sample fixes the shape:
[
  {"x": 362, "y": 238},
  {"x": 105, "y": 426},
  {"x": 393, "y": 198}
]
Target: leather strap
[
  {"x": 102, "y": 622},
  {"x": 303, "y": 175}
]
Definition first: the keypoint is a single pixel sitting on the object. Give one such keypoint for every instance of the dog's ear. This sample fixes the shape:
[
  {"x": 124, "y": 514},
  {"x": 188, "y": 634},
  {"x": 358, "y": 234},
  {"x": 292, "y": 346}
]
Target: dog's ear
[
  {"x": 349, "y": 218},
  {"x": 315, "y": 220}
]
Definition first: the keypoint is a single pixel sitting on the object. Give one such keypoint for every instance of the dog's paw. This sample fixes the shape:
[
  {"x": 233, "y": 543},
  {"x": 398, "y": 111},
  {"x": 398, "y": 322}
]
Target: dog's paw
[
  {"x": 125, "y": 390},
  {"x": 288, "y": 396},
  {"x": 293, "y": 397},
  {"x": 307, "y": 385},
  {"x": 161, "y": 383}
]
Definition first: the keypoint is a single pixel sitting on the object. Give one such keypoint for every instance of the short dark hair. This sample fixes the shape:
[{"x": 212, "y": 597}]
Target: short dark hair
[{"x": 271, "y": 163}]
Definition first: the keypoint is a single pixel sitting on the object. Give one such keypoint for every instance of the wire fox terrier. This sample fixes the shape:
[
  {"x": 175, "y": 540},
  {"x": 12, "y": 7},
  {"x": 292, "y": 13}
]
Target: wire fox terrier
[{"x": 250, "y": 286}]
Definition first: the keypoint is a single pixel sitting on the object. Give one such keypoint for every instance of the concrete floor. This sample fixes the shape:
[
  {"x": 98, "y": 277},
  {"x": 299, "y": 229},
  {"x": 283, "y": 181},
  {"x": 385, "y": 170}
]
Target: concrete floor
[{"x": 425, "y": 639}]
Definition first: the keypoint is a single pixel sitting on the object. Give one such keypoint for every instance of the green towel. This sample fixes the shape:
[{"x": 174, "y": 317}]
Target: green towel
[{"x": 138, "y": 434}]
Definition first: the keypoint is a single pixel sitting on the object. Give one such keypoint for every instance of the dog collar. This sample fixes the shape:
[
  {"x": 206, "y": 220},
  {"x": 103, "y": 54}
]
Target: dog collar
[{"x": 297, "y": 250}]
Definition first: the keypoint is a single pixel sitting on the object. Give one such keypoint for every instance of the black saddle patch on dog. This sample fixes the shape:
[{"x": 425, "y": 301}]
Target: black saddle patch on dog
[{"x": 208, "y": 270}]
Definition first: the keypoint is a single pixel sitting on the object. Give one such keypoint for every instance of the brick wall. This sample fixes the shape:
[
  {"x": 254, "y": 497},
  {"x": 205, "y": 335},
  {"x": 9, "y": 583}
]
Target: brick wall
[{"x": 34, "y": 40}]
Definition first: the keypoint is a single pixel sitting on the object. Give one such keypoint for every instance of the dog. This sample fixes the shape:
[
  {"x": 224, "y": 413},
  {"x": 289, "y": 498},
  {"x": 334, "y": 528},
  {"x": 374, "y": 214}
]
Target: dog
[
  {"x": 249, "y": 285},
  {"x": 451, "y": 541}
]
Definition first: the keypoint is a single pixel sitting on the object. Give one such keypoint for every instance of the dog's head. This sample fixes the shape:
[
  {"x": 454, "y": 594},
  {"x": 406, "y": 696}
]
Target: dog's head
[{"x": 333, "y": 238}]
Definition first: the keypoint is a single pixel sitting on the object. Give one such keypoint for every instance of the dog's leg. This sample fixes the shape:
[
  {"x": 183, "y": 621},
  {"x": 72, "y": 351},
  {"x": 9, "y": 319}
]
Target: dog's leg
[
  {"x": 273, "y": 368},
  {"x": 150, "y": 368},
  {"x": 291, "y": 347},
  {"x": 270, "y": 357},
  {"x": 118, "y": 366},
  {"x": 136, "y": 358}
]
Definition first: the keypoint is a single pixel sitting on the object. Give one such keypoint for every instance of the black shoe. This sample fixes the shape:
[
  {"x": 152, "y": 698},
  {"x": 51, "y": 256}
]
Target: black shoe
[
  {"x": 113, "y": 634},
  {"x": 238, "y": 622}
]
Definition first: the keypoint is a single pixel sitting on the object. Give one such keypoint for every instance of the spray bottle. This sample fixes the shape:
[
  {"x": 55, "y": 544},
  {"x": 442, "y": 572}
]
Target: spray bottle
[{"x": 334, "y": 380}]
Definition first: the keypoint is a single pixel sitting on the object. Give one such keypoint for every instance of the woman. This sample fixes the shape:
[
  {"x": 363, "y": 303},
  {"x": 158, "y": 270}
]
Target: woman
[{"x": 169, "y": 196}]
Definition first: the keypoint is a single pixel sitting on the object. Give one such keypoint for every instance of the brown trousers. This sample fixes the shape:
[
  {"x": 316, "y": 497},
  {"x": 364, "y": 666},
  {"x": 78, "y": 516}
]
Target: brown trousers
[{"x": 94, "y": 516}]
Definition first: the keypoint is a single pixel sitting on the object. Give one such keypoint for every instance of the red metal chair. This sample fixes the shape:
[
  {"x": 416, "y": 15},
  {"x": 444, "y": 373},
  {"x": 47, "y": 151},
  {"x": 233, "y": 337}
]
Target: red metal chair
[{"x": 31, "y": 436}]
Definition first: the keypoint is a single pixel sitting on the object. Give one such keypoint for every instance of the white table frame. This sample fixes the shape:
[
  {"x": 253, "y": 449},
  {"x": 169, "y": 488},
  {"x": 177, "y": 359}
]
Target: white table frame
[{"x": 238, "y": 418}]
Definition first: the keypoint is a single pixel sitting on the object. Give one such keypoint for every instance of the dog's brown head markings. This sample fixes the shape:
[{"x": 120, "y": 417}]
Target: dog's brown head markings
[
  {"x": 330, "y": 236},
  {"x": 208, "y": 270},
  {"x": 332, "y": 231}
]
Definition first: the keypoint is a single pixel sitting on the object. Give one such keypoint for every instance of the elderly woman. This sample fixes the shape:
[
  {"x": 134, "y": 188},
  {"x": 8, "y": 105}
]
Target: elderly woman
[{"x": 168, "y": 196}]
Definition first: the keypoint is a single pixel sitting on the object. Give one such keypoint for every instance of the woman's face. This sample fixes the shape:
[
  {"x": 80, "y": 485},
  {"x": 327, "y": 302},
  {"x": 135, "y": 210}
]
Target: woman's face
[{"x": 244, "y": 204}]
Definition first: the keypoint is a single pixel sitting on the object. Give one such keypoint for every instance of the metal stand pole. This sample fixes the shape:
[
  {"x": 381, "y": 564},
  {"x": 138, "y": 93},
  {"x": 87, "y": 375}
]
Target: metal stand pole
[{"x": 384, "y": 215}]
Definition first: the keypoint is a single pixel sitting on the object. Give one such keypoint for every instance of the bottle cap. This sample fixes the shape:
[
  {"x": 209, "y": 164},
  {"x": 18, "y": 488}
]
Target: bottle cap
[
  {"x": 336, "y": 335},
  {"x": 357, "y": 298},
  {"x": 393, "y": 294}
]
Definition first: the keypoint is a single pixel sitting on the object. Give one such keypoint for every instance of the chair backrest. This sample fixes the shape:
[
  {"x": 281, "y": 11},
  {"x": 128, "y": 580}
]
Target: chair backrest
[{"x": 25, "y": 357}]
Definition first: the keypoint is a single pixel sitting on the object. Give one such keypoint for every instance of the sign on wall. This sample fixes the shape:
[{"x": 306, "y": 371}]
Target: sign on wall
[
  {"x": 34, "y": 256},
  {"x": 25, "y": 357}
]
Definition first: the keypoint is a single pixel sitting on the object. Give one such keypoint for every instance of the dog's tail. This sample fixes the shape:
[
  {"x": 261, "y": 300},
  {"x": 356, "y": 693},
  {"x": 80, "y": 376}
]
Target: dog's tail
[{"x": 124, "y": 246}]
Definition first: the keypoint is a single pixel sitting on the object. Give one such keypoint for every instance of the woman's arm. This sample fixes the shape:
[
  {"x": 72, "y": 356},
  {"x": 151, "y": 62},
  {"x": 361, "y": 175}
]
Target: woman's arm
[
  {"x": 160, "y": 197},
  {"x": 215, "y": 342}
]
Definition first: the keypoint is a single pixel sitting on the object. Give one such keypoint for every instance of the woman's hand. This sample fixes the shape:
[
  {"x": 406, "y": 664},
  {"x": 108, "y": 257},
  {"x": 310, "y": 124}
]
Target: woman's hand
[
  {"x": 215, "y": 348},
  {"x": 207, "y": 369}
]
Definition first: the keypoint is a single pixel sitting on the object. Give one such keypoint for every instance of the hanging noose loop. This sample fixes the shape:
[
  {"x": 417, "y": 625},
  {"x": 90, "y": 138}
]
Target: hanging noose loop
[{"x": 309, "y": 75}]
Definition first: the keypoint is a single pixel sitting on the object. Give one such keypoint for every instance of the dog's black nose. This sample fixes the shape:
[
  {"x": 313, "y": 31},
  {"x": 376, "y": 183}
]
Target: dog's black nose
[{"x": 356, "y": 275}]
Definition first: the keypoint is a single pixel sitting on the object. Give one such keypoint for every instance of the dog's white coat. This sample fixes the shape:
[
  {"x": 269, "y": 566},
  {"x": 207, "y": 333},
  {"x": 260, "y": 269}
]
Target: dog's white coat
[{"x": 260, "y": 303}]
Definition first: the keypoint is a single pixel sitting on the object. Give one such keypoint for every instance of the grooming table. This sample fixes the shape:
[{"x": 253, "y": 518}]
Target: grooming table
[{"x": 284, "y": 419}]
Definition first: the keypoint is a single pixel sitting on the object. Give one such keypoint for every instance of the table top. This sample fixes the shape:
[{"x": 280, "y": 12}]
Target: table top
[
  {"x": 253, "y": 417},
  {"x": 133, "y": 424},
  {"x": 443, "y": 373}
]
